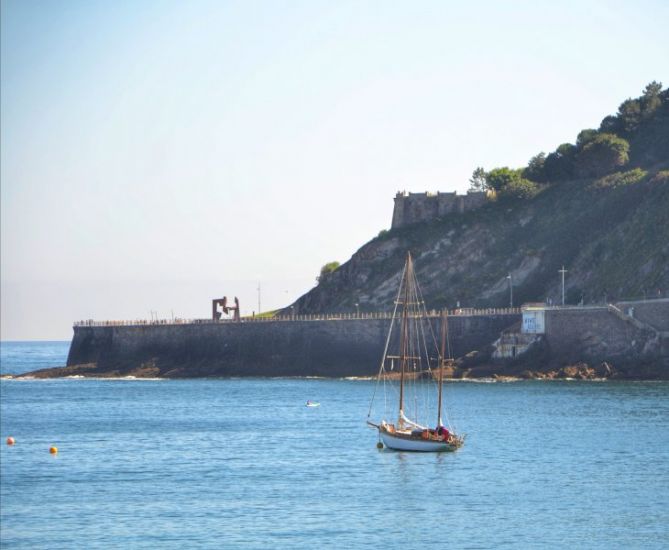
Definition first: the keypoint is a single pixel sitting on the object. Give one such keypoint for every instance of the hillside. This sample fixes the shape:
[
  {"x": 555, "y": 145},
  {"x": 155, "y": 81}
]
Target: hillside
[{"x": 605, "y": 219}]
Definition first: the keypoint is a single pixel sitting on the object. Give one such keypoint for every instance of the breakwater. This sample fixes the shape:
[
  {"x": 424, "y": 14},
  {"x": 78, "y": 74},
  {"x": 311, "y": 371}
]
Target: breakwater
[
  {"x": 623, "y": 340},
  {"x": 331, "y": 346}
]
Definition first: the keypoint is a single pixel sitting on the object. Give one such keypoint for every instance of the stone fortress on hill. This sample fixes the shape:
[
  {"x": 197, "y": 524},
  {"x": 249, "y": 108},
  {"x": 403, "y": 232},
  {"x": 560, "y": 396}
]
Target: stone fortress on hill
[{"x": 413, "y": 208}]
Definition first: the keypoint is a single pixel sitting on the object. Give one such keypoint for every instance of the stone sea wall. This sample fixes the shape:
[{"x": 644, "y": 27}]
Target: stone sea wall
[
  {"x": 623, "y": 340},
  {"x": 594, "y": 334},
  {"x": 628, "y": 330},
  {"x": 331, "y": 348}
]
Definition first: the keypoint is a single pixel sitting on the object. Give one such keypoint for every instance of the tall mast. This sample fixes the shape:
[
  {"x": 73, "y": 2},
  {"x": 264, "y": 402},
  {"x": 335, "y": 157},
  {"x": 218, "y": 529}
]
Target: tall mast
[
  {"x": 444, "y": 329},
  {"x": 403, "y": 337}
]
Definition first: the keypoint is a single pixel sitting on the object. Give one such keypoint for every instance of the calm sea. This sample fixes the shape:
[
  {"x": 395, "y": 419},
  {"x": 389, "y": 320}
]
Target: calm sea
[{"x": 244, "y": 464}]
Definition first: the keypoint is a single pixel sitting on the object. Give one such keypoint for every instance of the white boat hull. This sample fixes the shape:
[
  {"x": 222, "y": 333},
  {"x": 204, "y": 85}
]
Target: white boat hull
[{"x": 412, "y": 444}]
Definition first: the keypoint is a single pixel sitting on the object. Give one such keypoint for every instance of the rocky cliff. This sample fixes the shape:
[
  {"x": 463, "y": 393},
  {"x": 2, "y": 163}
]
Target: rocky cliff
[
  {"x": 598, "y": 206},
  {"x": 611, "y": 236}
]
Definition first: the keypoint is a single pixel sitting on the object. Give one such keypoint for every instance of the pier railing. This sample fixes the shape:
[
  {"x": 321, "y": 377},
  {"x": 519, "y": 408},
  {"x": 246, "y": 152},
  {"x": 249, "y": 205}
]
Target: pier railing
[{"x": 289, "y": 318}]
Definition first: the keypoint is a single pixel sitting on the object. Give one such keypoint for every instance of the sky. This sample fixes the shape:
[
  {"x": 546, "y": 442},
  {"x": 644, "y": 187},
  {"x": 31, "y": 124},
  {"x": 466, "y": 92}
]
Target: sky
[{"x": 158, "y": 154}]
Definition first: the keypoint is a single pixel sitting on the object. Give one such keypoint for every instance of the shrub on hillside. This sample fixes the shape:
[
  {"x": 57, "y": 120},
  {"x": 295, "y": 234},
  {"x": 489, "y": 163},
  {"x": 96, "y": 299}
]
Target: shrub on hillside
[
  {"x": 519, "y": 189},
  {"x": 507, "y": 183},
  {"x": 621, "y": 178},
  {"x": 602, "y": 155},
  {"x": 661, "y": 177},
  {"x": 328, "y": 268}
]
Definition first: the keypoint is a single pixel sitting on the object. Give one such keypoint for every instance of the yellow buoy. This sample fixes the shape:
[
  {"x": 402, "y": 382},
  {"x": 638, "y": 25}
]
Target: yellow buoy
[
  {"x": 11, "y": 441},
  {"x": 53, "y": 450}
]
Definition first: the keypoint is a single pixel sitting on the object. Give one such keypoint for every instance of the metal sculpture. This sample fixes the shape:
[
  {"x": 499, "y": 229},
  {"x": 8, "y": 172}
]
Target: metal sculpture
[{"x": 225, "y": 308}]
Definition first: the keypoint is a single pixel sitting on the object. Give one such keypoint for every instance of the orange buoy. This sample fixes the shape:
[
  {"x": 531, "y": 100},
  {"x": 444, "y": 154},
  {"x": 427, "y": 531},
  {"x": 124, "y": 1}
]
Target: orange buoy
[
  {"x": 11, "y": 441},
  {"x": 53, "y": 450}
]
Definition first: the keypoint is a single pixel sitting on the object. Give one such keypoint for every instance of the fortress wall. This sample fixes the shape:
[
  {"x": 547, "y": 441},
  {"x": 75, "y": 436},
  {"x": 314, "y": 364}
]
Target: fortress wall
[
  {"x": 447, "y": 204},
  {"x": 413, "y": 208},
  {"x": 398, "y": 211},
  {"x": 333, "y": 348}
]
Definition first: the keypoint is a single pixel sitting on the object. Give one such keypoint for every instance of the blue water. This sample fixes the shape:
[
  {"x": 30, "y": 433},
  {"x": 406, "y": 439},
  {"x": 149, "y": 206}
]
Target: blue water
[
  {"x": 20, "y": 357},
  {"x": 244, "y": 464}
]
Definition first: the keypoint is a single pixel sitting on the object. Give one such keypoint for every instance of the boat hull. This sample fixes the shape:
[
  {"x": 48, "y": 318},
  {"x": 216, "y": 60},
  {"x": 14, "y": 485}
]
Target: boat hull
[{"x": 399, "y": 443}]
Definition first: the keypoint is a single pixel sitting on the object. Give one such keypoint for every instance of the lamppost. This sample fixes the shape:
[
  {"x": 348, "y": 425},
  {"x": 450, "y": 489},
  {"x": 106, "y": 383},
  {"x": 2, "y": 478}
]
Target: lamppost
[
  {"x": 510, "y": 289},
  {"x": 357, "y": 309},
  {"x": 292, "y": 312}
]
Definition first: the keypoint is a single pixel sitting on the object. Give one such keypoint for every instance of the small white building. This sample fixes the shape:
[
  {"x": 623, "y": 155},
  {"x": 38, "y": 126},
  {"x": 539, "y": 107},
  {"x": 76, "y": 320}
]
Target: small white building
[
  {"x": 510, "y": 344},
  {"x": 534, "y": 317}
]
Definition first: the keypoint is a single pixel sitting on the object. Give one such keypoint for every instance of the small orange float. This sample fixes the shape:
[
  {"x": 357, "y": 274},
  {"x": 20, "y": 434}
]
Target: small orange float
[
  {"x": 53, "y": 450},
  {"x": 11, "y": 441}
]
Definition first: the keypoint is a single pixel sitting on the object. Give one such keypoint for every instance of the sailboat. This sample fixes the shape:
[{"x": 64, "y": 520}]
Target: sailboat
[{"x": 416, "y": 367}]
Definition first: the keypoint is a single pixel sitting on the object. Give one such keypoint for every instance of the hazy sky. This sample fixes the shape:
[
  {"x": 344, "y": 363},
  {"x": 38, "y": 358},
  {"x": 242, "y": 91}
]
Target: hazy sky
[{"x": 157, "y": 154}]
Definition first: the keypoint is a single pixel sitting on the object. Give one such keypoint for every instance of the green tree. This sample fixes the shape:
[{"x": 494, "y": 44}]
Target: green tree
[
  {"x": 535, "y": 168},
  {"x": 629, "y": 114},
  {"x": 610, "y": 125},
  {"x": 519, "y": 189},
  {"x": 651, "y": 99},
  {"x": 559, "y": 165},
  {"x": 584, "y": 137},
  {"x": 602, "y": 155},
  {"x": 478, "y": 180},
  {"x": 499, "y": 178},
  {"x": 327, "y": 269},
  {"x": 510, "y": 184}
]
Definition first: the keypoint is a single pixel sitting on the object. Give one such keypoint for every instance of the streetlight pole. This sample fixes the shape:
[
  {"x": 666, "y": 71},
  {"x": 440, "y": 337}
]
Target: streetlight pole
[
  {"x": 357, "y": 309},
  {"x": 562, "y": 271},
  {"x": 510, "y": 290}
]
